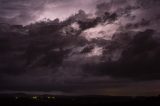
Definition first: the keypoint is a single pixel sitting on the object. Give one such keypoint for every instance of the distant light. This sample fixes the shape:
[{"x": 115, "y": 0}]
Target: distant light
[
  {"x": 34, "y": 97},
  {"x": 16, "y": 97},
  {"x": 53, "y": 97},
  {"x": 49, "y": 97}
]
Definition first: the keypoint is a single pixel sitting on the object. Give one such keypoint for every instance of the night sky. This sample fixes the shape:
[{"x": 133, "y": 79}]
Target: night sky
[{"x": 80, "y": 47}]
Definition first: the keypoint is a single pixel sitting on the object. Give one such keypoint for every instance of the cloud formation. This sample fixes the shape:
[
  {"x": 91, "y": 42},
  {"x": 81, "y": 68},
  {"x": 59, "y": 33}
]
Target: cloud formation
[
  {"x": 111, "y": 50},
  {"x": 28, "y": 11}
]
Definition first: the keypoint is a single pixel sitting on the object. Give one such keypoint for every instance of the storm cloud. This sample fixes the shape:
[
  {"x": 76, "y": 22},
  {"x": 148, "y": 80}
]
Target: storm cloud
[
  {"x": 28, "y": 11},
  {"x": 111, "y": 46}
]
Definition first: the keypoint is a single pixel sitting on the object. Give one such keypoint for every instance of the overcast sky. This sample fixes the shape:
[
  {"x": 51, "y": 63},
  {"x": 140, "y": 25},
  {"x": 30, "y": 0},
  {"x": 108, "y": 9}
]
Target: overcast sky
[
  {"x": 116, "y": 54},
  {"x": 26, "y": 11}
]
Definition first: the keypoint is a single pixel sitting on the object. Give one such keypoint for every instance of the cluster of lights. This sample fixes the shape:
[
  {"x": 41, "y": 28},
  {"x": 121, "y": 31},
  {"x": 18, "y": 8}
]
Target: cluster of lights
[
  {"x": 51, "y": 97},
  {"x": 36, "y": 97}
]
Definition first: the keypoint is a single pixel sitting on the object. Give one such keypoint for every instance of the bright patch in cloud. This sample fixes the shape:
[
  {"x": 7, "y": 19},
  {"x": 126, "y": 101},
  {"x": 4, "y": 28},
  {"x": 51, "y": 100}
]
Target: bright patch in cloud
[
  {"x": 97, "y": 51},
  {"x": 75, "y": 26},
  {"x": 101, "y": 32}
]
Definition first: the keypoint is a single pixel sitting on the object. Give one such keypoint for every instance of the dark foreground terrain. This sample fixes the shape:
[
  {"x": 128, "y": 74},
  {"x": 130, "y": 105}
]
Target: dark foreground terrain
[{"x": 50, "y": 100}]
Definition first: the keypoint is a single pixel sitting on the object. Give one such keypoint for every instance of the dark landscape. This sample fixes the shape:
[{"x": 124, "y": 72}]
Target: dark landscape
[{"x": 50, "y": 100}]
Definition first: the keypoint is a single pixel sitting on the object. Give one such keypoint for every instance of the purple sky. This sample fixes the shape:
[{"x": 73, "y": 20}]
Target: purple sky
[{"x": 110, "y": 47}]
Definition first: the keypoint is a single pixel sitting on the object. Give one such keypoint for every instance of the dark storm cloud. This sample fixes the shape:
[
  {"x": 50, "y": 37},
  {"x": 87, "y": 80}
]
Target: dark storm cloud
[
  {"x": 109, "y": 50},
  {"x": 139, "y": 59},
  {"x": 134, "y": 54}
]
